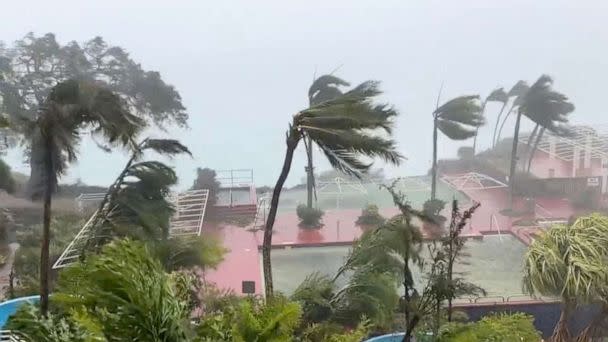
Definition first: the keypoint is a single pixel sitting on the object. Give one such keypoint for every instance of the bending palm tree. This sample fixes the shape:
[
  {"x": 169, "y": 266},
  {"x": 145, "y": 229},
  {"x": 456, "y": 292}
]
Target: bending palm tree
[
  {"x": 458, "y": 119},
  {"x": 518, "y": 91},
  {"x": 540, "y": 101},
  {"x": 568, "y": 262},
  {"x": 324, "y": 88},
  {"x": 497, "y": 95},
  {"x": 343, "y": 128},
  {"x": 55, "y": 134}
]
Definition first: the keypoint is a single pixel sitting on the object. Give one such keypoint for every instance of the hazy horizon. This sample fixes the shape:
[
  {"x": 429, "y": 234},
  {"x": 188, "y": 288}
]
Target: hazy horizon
[{"x": 243, "y": 68}]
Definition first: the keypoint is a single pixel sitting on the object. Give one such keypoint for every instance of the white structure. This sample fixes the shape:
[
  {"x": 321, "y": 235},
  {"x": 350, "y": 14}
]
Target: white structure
[
  {"x": 338, "y": 187},
  {"x": 190, "y": 207},
  {"x": 585, "y": 144},
  {"x": 472, "y": 181}
]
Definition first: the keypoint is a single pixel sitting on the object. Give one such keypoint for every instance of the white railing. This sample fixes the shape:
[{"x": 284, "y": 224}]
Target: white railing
[
  {"x": 11, "y": 336},
  {"x": 259, "y": 222},
  {"x": 190, "y": 208}
]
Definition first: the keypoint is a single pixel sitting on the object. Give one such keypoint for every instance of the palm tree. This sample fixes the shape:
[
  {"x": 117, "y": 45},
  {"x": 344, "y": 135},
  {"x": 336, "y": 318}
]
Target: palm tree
[
  {"x": 541, "y": 104},
  {"x": 497, "y": 95},
  {"x": 324, "y": 88},
  {"x": 568, "y": 262},
  {"x": 54, "y": 137},
  {"x": 555, "y": 122},
  {"x": 343, "y": 128},
  {"x": 458, "y": 119},
  {"x": 518, "y": 91}
]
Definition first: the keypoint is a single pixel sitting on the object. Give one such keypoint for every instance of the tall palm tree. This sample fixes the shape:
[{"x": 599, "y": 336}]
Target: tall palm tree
[
  {"x": 517, "y": 92},
  {"x": 344, "y": 129},
  {"x": 497, "y": 95},
  {"x": 54, "y": 136},
  {"x": 540, "y": 101},
  {"x": 554, "y": 122},
  {"x": 458, "y": 119},
  {"x": 568, "y": 262},
  {"x": 324, "y": 88}
]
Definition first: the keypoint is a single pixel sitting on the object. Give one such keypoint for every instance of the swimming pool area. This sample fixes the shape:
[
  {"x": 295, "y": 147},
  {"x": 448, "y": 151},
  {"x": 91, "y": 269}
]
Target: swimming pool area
[{"x": 494, "y": 262}]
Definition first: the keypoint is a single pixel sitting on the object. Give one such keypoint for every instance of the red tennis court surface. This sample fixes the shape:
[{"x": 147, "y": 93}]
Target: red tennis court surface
[{"x": 243, "y": 263}]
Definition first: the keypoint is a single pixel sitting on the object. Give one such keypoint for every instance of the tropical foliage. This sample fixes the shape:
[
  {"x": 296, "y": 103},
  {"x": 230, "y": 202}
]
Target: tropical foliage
[
  {"x": 500, "y": 327},
  {"x": 544, "y": 106},
  {"x": 309, "y": 217},
  {"x": 569, "y": 262},
  {"x": 345, "y": 129},
  {"x": 370, "y": 216},
  {"x": 458, "y": 119},
  {"x": 324, "y": 88}
]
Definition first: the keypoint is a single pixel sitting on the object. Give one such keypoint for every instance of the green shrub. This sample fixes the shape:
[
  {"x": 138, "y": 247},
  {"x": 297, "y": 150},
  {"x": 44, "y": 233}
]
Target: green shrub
[
  {"x": 7, "y": 182},
  {"x": 332, "y": 332},
  {"x": 517, "y": 327},
  {"x": 309, "y": 217},
  {"x": 370, "y": 216},
  {"x": 28, "y": 322}
]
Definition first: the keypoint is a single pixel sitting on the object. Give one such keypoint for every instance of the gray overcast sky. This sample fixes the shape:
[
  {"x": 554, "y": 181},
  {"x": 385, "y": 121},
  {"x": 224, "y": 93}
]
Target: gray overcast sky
[{"x": 244, "y": 67}]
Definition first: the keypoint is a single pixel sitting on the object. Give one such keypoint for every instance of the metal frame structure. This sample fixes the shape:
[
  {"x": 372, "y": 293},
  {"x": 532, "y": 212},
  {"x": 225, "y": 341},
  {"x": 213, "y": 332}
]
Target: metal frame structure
[
  {"x": 343, "y": 187},
  {"x": 190, "y": 208},
  {"x": 82, "y": 199},
  {"x": 472, "y": 181},
  {"x": 585, "y": 140},
  {"x": 261, "y": 212},
  {"x": 11, "y": 336},
  {"x": 414, "y": 184}
]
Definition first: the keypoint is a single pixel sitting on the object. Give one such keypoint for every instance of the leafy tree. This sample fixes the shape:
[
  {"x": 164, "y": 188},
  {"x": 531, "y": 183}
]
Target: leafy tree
[
  {"x": 343, "y": 130},
  {"x": 206, "y": 179},
  {"x": 568, "y": 262},
  {"x": 541, "y": 104},
  {"x": 33, "y": 66},
  {"x": 497, "y": 95},
  {"x": 448, "y": 285},
  {"x": 322, "y": 89},
  {"x": 188, "y": 252},
  {"x": 458, "y": 119}
]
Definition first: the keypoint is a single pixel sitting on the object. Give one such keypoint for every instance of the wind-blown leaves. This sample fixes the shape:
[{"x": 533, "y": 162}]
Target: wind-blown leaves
[
  {"x": 344, "y": 129},
  {"x": 324, "y": 88},
  {"x": 459, "y": 118},
  {"x": 498, "y": 95},
  {"x": 547, "y": 107},
  {"x": 71, "y": 106},
  {"x": 519, "y": 89},
  {"x": 127, "y": 293}
]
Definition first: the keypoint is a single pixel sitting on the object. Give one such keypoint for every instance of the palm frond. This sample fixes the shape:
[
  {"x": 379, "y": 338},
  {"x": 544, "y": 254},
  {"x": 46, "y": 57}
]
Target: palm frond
[
  {"x": 455, "y": 131},
  {"x": 519, "y": 89},
  {"x": 167, "y": 147},
  {"x": 344, "y": 129},
  {"x": 324, "y": 88},
  {"x": 547, "y": 107},
  {"x": 498, "y": 95}
]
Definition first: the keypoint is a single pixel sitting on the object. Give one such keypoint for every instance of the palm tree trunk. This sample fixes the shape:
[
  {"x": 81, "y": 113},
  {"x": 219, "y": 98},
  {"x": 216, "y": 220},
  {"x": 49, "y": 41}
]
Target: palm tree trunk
[
  {"x": 538, "y": 138},
  {"x": 497, "y": 122},
  {"x": 310, "y": 175},
  {"x": 434, "y": 167},
  {"x": 483, "y": 109},
  {"x": 292, "y": 143},
  {"x": 503, "y": 123},
  {"x": 561, "y": 333},
  {"x": 514, "y": 159},
  {"x": 45, "y": 262}
]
